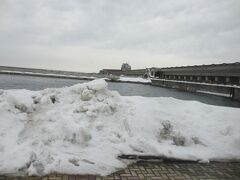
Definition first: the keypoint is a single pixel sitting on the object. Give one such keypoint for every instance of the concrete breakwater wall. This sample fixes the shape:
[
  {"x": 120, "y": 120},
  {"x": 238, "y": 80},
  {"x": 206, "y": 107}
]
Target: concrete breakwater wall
[
  {"x": 230, "y": 91},
  {"x": 34, "y": 71},
  {"x": 47, "y": 75}
]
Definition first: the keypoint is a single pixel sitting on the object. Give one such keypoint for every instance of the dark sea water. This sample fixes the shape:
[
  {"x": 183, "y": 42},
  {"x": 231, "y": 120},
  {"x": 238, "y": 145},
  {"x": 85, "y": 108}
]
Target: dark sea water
[{"x": 125, "y": 89}]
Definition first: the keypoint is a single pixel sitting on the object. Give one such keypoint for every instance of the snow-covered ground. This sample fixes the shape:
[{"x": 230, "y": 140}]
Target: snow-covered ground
[
  {"x": 134, "y": 79},
  {"x": 82, "y": 129}
]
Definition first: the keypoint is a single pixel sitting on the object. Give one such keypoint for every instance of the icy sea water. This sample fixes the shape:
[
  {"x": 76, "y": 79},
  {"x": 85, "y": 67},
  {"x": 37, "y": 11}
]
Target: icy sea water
[{"x": 125, "y": 89}]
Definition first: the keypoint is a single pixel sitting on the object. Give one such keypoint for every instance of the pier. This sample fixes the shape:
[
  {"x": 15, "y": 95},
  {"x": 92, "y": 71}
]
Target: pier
[{"x": 219, "y": 79}]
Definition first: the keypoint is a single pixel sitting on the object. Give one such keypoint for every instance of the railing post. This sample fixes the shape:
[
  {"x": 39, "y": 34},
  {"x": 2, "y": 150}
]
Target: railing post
[
  {"x": 232, "y": 93},
  {"x": 199, "y": 78},
  {"x": 227, "y": 80}
]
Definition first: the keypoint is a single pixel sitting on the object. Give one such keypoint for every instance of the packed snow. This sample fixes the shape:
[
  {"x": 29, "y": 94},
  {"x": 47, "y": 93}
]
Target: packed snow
[
  {"x": 84, "y": 128},
  {"x": 134, "y": 79}
]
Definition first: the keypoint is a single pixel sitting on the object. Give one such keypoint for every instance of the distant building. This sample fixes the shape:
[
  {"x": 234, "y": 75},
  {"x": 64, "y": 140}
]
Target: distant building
[
  {"x": 125, "y": 70},
  {"x": 125, "y": 67}
]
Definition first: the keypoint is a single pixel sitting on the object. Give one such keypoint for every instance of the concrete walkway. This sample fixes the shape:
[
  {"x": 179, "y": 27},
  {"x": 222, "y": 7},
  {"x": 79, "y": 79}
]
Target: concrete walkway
[{"x": 159, "y": 170}]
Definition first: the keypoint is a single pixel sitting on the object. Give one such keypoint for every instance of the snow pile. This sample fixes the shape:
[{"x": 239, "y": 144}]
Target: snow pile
[
  {"x": 60, "y": 130},
  {"x": 84, "y": 128}
]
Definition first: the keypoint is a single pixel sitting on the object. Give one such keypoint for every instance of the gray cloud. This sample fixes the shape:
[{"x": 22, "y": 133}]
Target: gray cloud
[{"x": 164, "y": 32}]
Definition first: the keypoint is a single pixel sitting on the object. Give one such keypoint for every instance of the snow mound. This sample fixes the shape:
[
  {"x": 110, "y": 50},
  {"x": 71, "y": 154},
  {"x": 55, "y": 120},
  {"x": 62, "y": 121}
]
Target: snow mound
[{"x": 84, "y": 128}]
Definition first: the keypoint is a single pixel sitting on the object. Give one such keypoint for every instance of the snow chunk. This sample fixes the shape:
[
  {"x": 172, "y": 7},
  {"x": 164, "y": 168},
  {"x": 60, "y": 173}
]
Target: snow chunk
[
  {"x": 19, "y": 99},
  {"x": 97, "y": 85}
]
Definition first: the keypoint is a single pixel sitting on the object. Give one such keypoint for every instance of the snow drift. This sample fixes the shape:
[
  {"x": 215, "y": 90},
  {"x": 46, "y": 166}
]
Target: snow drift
[{"x": 84, "y": 128}]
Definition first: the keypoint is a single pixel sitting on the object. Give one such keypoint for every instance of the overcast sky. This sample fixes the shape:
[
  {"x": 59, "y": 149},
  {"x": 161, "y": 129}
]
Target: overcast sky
[{"x": 88, "y": 35}]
